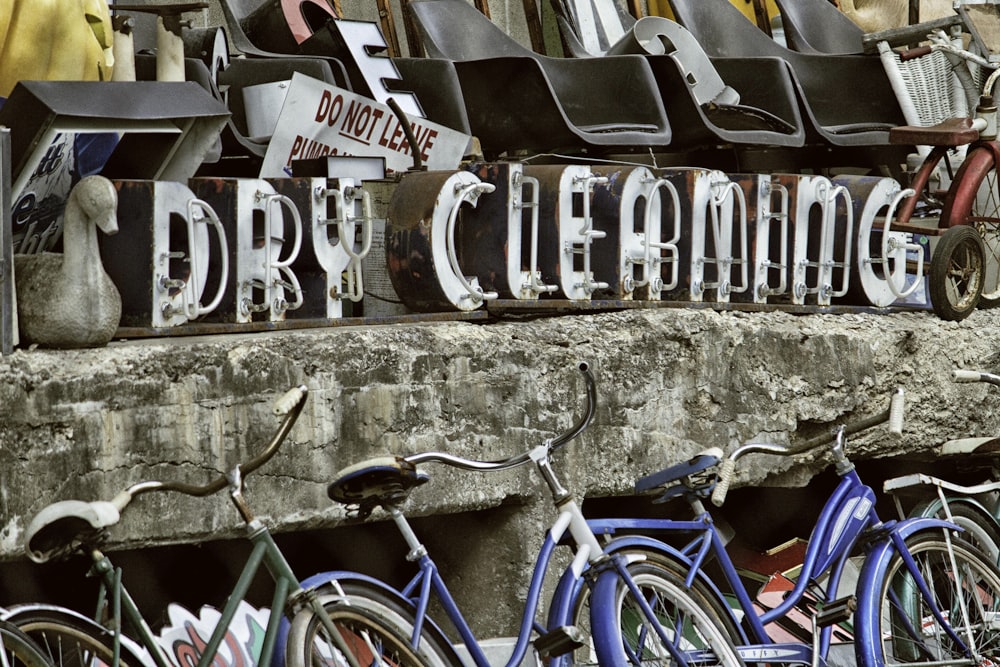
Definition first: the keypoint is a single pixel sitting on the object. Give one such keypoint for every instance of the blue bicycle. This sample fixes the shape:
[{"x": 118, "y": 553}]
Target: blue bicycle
[
  {"x": 661, "y": 619},
  {"x": 920, "y": 596}
]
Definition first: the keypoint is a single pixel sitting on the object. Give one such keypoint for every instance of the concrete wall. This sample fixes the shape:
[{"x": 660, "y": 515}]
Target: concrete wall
[{"x": 84, "y": 424}]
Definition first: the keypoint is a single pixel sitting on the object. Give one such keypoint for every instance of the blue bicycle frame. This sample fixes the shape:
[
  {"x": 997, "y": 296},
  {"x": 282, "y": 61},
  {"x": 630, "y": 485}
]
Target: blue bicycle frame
[
  {"x": 428, "y": 582},
  {"x": 847, "y": 520},
  {"x": 838, "y": 530},
  {"x": 386, "y": 482}
]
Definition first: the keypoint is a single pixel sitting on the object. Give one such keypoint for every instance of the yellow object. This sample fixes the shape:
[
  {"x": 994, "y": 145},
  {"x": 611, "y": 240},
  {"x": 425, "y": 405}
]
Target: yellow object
[
  {"x": 54, "y": 40},
  {"x": 662, "y": 8}
]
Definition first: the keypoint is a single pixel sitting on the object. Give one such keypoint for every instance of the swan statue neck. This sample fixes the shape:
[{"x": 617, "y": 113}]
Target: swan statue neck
[{"x": 81, "y": 253}]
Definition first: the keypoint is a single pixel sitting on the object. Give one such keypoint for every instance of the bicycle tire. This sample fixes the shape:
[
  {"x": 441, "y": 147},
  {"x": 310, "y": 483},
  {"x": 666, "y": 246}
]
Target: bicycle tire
[
  {"x": 713, "y": 605},
  {"x": 979, "y": 530},
  {"x": 623, "y": 635},
  {"x": 377, "y": 633},
  {"x": 974, "y": 200},
  {"x": 70, "y": 641},
  {"x": 20, "y": 650},
  {"x": 403, "y": 618},
  {"x": 955, "y": 279},
  {"x": 909, "y": 633}
]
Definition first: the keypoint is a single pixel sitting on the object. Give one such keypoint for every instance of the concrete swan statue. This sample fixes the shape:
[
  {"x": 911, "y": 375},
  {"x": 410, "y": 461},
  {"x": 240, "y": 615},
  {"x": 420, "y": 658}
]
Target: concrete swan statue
[{"x": 66, "y": 299}]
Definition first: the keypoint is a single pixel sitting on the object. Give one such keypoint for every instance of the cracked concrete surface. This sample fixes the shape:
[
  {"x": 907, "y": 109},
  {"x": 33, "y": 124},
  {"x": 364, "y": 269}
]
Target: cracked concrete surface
[{"x": 86, "y": 423}]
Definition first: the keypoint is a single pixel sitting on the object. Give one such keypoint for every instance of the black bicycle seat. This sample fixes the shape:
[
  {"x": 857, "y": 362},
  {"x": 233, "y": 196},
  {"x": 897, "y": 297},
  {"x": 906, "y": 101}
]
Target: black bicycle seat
[
  {"x": 383, "y": 481},
  {"x": 687, "y": 473}
]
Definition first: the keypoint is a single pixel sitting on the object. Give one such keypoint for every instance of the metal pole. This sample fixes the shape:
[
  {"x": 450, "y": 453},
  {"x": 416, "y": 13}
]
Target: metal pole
[{"x": 8, "y": 324}]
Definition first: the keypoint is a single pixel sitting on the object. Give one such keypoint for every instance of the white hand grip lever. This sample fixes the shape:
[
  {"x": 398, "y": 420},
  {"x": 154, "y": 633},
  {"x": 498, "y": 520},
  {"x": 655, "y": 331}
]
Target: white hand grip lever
[
  {"x": 289, "y": 400},
  {"x": 896, "y": 407},
  {"x": 961, "y": 375},
  {"x": 726, "y": 472}
]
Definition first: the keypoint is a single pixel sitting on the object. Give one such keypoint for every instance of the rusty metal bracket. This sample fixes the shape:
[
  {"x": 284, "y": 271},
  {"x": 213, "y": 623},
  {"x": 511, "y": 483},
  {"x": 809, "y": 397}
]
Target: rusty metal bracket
[{"x": 388, "y": 23}]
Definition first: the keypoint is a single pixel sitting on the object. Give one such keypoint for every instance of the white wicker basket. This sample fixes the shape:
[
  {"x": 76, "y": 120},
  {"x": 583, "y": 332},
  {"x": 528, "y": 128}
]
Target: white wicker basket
[{"x": 926, "y": 87}]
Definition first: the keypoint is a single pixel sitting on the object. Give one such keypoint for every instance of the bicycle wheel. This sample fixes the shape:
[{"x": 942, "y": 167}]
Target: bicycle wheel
[
  {"x": 669, "y": 569},
  {"x": 71, "y": 641},
  {"x": 963, "y": 585},
  {"x": 955, "y": 280},
  {"x": 975, "y": 201},
  {"x": 981, "y": 531},
  {"x": 20, "y": 650},
  {"x": 375, "y": 633},
  {"x": 685, "y": 620}
]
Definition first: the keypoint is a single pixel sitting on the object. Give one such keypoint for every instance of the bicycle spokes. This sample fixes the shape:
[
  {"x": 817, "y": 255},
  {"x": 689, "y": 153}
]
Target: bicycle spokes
[
  {"x": 365, "y": 645},
  {"x": 947, "y": 609}
]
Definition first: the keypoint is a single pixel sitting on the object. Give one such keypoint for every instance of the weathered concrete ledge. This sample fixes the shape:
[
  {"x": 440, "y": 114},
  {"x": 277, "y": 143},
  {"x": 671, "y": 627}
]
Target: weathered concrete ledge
[{"x": 84, "y": 424}]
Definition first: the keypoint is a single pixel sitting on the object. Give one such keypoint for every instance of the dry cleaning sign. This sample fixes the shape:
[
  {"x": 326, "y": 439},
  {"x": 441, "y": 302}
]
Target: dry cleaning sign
[{"x": 317, "y": 120}]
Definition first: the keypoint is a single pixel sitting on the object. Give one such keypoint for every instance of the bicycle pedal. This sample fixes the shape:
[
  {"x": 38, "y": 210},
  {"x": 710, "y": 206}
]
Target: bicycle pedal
[
  {"x": 837, "y": 611},
  {"x": 559, "y": 641}
]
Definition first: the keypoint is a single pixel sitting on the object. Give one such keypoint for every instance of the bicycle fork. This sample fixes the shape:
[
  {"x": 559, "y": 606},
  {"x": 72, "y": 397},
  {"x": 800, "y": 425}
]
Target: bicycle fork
[
  {"x": 872, "y": 582},
  {"x": 589, "y": 550}
]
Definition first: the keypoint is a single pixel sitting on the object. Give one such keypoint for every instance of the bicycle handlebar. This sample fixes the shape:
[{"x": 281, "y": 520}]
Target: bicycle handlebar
[
  {"x": 519, "y": 459},
  {"x": 289, "y": 405},
  {"x": 893, "y": 415},
  {"x": 961, "y": 375}
]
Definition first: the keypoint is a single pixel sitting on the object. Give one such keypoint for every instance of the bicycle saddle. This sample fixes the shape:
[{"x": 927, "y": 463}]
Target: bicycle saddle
[
  {"x": 691, "y": 474},
  {"x": 973, "y": 446},
  {"x": 383, "y": 481},
  {"x": 59, "y": 528}
]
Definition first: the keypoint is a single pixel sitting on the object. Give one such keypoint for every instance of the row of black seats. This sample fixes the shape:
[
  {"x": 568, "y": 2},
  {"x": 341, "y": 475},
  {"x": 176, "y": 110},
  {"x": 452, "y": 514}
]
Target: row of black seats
[
  {"x": 711, "y": 87},
  {"x": 788, "y": 99}
]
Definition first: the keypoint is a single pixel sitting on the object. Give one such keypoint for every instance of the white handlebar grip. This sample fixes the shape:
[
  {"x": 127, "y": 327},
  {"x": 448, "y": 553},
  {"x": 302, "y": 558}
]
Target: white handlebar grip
[
  {"x": 726, "y": 471},
  {"x": 896, "y": 407},
  {"x": 289, "y": 400},
  {"x": 960, "y": 375}
]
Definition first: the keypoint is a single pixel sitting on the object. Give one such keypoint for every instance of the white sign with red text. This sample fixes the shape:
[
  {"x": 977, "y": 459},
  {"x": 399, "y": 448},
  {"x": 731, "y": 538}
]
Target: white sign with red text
[{"x": 318, "y": 120}]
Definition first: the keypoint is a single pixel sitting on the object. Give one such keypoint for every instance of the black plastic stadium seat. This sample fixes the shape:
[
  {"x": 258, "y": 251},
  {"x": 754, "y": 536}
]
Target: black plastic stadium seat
[
  {"x": 519, "y": 100},
  {"x": 816, "y": 26},
  {"x": 846, "y": 99},
  {"x": 721, "y": 101}
]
